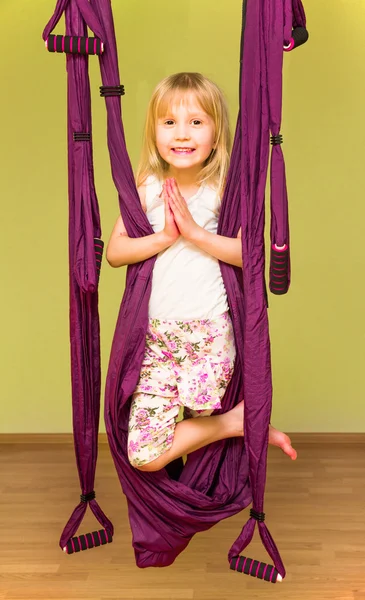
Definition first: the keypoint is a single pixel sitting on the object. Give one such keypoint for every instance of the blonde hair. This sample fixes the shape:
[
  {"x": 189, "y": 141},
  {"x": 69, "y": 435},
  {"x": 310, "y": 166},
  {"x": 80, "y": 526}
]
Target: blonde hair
[{"x": 213, "y": 102}]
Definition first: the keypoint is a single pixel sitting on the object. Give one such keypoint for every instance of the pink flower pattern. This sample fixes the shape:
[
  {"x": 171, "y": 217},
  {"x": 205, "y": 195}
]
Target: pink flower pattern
[{"x": 186, "y": 364}]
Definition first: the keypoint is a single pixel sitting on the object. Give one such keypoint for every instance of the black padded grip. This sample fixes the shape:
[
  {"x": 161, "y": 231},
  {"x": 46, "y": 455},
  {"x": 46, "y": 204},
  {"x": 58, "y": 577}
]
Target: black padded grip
[
  {"x": 279, "y": 270},
  {"x": 88, "y": 540},
  {"x": 255, "y": 568},
  {"x": 98, "y": 247},
  {"x": 74, "y": 44},
  {"x": 299, "y": 36}
]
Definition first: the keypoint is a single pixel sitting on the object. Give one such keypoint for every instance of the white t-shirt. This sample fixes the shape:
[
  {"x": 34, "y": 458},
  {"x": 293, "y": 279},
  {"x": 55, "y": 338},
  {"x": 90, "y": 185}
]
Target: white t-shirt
[{"x": 186, "y": 282}]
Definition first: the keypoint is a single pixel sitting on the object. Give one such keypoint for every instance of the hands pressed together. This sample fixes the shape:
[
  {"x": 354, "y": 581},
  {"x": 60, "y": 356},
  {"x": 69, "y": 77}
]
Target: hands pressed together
[{"x": 178, "y": 219}]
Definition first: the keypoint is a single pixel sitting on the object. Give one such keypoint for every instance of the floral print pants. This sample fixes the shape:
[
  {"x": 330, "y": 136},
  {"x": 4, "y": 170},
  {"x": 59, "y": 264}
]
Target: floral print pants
[{"x": 186, "y": 364}]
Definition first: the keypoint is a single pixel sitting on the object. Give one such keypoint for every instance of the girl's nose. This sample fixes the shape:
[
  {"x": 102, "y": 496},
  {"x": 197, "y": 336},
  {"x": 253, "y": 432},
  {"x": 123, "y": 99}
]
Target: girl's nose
[{"x": 181, "y": 132}]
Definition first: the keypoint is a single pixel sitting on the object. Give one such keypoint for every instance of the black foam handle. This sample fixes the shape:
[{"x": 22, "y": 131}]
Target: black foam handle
[
  {"x": 298, "y": 37},
  {"x": 88, "y": 540},
  {"x": 279, "y": 270},
  {"x": 98, "y": 247},
  {"x": 74, "y": 44},
  {"x": 255, "y": 568}
]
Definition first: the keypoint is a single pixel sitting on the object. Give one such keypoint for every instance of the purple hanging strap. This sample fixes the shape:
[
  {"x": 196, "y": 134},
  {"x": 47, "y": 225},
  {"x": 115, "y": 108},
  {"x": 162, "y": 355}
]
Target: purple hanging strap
[
  {"x": 85, "y": 249},
  {"x": 260, "y": 110},
  {"x": 282, "y": 28}
]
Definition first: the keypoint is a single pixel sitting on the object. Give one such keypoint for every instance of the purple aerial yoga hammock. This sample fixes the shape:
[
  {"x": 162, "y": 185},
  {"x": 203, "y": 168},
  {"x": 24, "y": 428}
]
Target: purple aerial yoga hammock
[{"x": 167, "y": 507}]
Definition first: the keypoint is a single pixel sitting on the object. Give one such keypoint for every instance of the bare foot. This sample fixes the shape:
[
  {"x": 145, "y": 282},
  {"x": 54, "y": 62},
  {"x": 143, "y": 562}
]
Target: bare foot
[{"x": 276, "y": 437}]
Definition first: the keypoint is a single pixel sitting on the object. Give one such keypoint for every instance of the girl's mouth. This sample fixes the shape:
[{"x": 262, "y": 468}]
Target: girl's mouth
[{"x": 183, "y": 150}]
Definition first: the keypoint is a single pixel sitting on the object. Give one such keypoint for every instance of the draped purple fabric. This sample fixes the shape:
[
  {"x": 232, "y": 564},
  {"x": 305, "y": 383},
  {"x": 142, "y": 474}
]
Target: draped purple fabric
[
  {"x": 220, "y": 480},
  {"x": 84, "y": 225}
]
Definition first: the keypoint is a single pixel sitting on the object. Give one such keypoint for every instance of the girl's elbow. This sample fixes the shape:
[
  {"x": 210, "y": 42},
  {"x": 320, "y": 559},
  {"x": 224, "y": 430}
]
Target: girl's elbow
[
  {"x": 109, "y": 257},
  {"x": 112, "y": 261}
]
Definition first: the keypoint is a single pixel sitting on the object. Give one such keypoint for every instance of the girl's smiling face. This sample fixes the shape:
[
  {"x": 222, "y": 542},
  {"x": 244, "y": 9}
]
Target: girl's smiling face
[{"x": 185, "y": 125}]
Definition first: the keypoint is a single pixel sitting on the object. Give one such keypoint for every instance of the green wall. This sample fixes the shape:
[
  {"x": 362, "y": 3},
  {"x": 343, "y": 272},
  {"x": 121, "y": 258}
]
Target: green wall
[{"x": 317, "y": 329}]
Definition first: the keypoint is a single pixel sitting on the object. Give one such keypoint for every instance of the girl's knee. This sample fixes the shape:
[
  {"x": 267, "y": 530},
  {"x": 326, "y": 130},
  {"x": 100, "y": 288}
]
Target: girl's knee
[
  {"x": 153, "y": 465},
  {"x": 145, "y": 458},
  {"x": 135, "y": 460}
]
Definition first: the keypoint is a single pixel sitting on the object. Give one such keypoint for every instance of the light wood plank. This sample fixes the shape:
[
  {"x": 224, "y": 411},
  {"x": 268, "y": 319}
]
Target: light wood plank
[{"x": 315, "y": 512}]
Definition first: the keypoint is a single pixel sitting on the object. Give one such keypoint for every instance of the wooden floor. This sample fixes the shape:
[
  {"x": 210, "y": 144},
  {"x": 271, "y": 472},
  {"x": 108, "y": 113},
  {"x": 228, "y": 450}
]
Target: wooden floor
[{"x": 315, "y": 511}]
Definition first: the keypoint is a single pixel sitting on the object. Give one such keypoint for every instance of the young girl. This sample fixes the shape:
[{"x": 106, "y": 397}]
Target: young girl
[{"x": 190, "y": 348}]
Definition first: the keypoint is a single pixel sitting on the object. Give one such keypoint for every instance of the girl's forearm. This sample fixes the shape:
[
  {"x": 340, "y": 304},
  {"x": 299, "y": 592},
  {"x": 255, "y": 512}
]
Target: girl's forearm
[
  {"x": 126, "y": 251},
  {"x": 224, "y": 248}
]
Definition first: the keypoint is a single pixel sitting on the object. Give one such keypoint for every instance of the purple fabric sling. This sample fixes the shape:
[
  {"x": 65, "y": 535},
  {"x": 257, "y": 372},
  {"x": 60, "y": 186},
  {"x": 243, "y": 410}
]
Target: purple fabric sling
[{"x": 167, "y": 507}]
